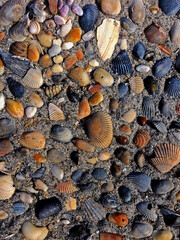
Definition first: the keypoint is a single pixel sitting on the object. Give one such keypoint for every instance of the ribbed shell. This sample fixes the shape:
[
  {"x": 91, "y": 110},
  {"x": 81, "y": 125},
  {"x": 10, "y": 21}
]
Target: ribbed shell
[
  {"x": 52, "y": 91},
  {"x": 160, "y": 126},
  {"x": 172, "y": 87},
  {"x": 121, "y": 64},
  {"x": 167, "y": 155},
  {"x": 55, "y": 113},
  {"x": 6, "y": 187},
  {"x": 7, "y": 127},
  {"x": 94, "y": 210},
  {"x": 140, "y": 180},
  {"x": 33, "y": 78},
  {"x": 99, "y": 129},
  {"x": 165, "y": 108},
  {"x": 148, "y": 108},
  {"x": 161, "y": 67},
  {"x": 142, "y": 138},
  {"x": 145, "y": 208},
  {"x": 169, "y": 6},
  {"x": 66, "y": 187},
  {"x": 136, "y": 84},
  {"x": 19, "y": 32}
]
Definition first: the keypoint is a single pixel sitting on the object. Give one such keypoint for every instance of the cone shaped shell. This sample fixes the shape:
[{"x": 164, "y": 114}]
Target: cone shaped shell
[
  {"x": 110, "y": 236},
  {"x": 14, "y": 108},
  {"x": 52, "y": 91},
  {"x": 136, "y": 84},
  {"x": 94, "y": 210},
  {"x": 167, "y": 155},
  {"x": 55, "y": 113},
  {"x": 33, "y": 78},
  {"x": 66, "y": 187},
  {"x": 6, "y": 187},
  {"x": 32, "y": 232},
  {"x": 142, "y": 138},
  {"x": 33, "y": 140},
  {"x": 99, "y": 129}
]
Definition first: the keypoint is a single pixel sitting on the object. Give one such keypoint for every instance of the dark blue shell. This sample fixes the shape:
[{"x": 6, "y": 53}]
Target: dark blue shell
[
  {"x": 171, "y": 218},
  {"x": 162, "y": 67},
  {"x": 177, "y": 63},
  {"x": 139, "y": 50},
  {"x": 162, "y": 186},
  {"x": 172, "y": 87},
  {"x": 38, "y": 173},
  {"x": 89, "y": 18},
  {"x": 169, "y": 6},
  {"x": 122, "y": 89},
  {"x": 19, "y": 207},
  {"x": 165, "y": 108},
  {"x": 125, "y": 193},
  {"x": 148, "y": 107},
  {"x": 109, "y": 201},
  {"x": 121, "y": 64},
  {"x": 128, "y": 25},
  {"x": 99, "y": 173},
  {"x": 140, "y": 180},
  {"x": 16, "y": 88},
  {"x": 47, "y": 207},
  {"x": 76, "y": 176}
]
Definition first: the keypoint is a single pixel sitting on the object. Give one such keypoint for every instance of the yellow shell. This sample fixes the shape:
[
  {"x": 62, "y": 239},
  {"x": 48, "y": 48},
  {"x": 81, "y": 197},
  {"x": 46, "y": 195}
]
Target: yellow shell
[
  {"x": 45, "y": 38},
  {"x": 80, "y": 75},
  {"x": 136, "y": 84},
  {"x": 32, "y": 232},
  {"x": 129, "y": 116},
  {"x": 33, "y": 140},
  {"x": 14, "y": 108},
  {"x": 66, "y": 187},
  {"x": 103, "y": 77},
  {"x": 99, "y": 129},
  {"x": 33, "y": 78},
  {"x": 162, "y": 235},
  {"x": 96, "y": 99},
  {"x": 6, "y": 187},
  {"x": 55, "y": 113}
]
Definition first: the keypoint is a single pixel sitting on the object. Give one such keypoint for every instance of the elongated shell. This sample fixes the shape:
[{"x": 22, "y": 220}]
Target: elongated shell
[
  {"x": 6, "y": 187},
  {"x": 55, "y": 113},
  {"x": 167, "y": 155},
  {"x": 99, "y": 129},
  {"x": 142, "y": 138},
  {"x": 148, "y": 107},
  {"x": 136, "y": 84},
  {"x": 94, "y": 210},
  {"x": 33, "y": 78},
  {"x": 14, "y": 108},
  {"x": 66, "y": 187},
  {"x": 33, "y": 140},
  {"x": 32, "y": 232},
  {"x": 140, "y": 180},
  {"x": 146, "y": 209},
  {"x": 107, "y": 37},
  {"x": 52, "y": 91},
  {"x": 137, "y": 11}
]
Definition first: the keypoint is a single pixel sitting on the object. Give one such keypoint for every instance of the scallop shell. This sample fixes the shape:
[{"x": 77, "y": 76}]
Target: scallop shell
[
  {"x": 110, "y": 236},
  {"x": 148, "y": 107},
  {"x": 94, "y": 210},
  {"x": 52, "y": 91},
  {"x": 99, "y": 129},
  {"x": 19, "y": 49},
  {"x": 6, "y": 187},
  {"x": 33, "y": 78},
  {"x": 19, "y": 32},
  {"x": 121, "y": 64},
  {"x": 140, "y": 180},
  {"x": 137, "y": 11},
  {"x": 167, "y": 155},
  {"x": 33, "y": 140},
  {"x": 34, "y": 27},
  {"x": 136, "y": 84},
  {"x": 30, "y": 231},
  {"x": 66, "y": 187},
  {"x": 107, "y": 37},
  {"x": 172, "y": 87},
  {"x": 129, "y": 116},
  {"x": 7, "y": 127},
  {"x": 146, "y": 209},
  {"x": 55, "y": 113},
  {"x": 14, "y": 108},
  {"x": 5, "y": 147},
  {"x": 142, "y": 138},
  {"x": 169, "y": 7},
  {"x": 160, "y": 126}
]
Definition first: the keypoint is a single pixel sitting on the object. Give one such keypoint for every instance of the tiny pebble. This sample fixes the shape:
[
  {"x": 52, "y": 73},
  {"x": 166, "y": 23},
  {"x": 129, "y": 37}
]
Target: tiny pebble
[
  {"x": 94, "y": 63},
  {"x": 58, "y": 59},
  {"x": 88, "y": 36},
  {"x": 30, "y": 111},
  {"x": 67, "y": 45},
  {"x": 123, "y": 44}
]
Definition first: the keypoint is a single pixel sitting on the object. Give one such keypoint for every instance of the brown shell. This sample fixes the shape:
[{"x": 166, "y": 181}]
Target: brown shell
[
  {"x": 110, "y": 236},
  {"x": 33, "y": 140},
  {"x": 6, "y": 187},
  {"x": 112, "y": 7},
  {"x": 125, "y": 129},
  {"x": 167, "y": 155},
  {"x": 35, "y": 100},
  {"x": 137, "y": 11},
  {"x": 155, "y": 34},
  {"x": 19, "y": 49},
  {"x": 84, "y": 109},
  {"x": 99, "y": 129},
  {"x": 66, "y": 187},
  {"x": 83, "y": 145},
  {"x": 52, "y": 91},
  {"x": 14, "y": 108},
  {"x": 5, "y": 147},
  {"x": 120, "y": 219},
  {"x": 55, "y": 113},
  {"x": 142, "y": 138},
  {"x": 136, "y": 84}
]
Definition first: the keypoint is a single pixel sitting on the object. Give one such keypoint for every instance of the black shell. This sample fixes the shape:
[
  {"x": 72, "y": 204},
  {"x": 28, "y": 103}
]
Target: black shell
[
  {"x": 89, "y": 18},
  {"x": 124, "y": 193},
  {"x": 121, "y": 64},
  {"x": 7, "y": 127},
  {"x": 128, "y": 25},
  {"x": 169, "y": 7},
  {"x": 38, "y": 173},
  {"x": 16, "y": 88},
  {"x": 172, "y": 87},
  {"x": 165, "y": 108},
  {"x": 122, "y": 89},
  {"x": 148, "y": 107},
  {"x": 162, "y": 186},
  {"x": 151, "y": 85},
  {"x": 171, "y": 218},
  {"x": 47, "y": 207},
  {"x": 139, "y": 50},
  {"x": 140, "y": 180},
  {"x": 177, "y": 63}
]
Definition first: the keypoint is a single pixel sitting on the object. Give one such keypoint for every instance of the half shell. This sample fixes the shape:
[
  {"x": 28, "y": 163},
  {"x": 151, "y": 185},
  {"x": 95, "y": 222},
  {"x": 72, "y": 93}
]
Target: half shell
[
  {"x": 55, "y": 113},
  {"x": 94, "y": 210},
  {"x": 33, "y": 140},
  {"x": 110, "y": 236},
  {"x": 146, "y": 209},
  {"x": 148, "y": 107},
  {"x": 7, "y": 127},
  {"x": 14, "y": 108},
  {"x": 32, "y": 232},
  {"x": 142, "y": 138},
  {"x": 136, "y": 84},
  {"x": 33, "y": 78},
  {"x": 66, "y": 187},
  {"x": 6, "y": 187},
  {"x": 140, "y": 180},
  {"x": 172, "y": 87},
  {"x": 137, "y": 11}
]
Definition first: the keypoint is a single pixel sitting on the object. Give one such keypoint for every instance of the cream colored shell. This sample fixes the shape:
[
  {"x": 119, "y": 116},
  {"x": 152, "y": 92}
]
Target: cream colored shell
[
  {"x": 31, "y": 232},
  {"x": 6, "y": 187}
]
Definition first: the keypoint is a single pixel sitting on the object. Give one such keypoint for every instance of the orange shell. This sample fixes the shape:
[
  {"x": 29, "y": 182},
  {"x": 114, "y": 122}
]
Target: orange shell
[
  {"x": 120, "y": 219},
  {"x": 74, "y": 35},
  {"x": 125, "y": 129},
  {"x": 66, "y": 187},
  {"x": 99, "y": 129},
  {"x": 79, "y": 54},
  {"x": 167, "y": 155},
  {"x": 69, "y": 62},
  {"x": 95, "y": 99},
  {"x": 84, "y": 109},
  {"x": 33, "y": 140},
  {"x": 14, "y": 108},
  {"x": 33, "y": 53},
  {"x": 110, "y": 236},
  {"x": 165, "y": 50},
  {"x": 83, "y": 145},
  {"x": 142, "y": 138},
  {"x": 39, "y": 158},
  {"x": 2, "y": 35}
]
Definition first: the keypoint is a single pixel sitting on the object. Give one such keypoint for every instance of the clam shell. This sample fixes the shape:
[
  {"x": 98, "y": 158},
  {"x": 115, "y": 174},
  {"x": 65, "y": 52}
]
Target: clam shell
[
  {"x": 110, "y": 236},
  {"x": 140, "y": 180},
  {"x": 146, "y": 209},
  {"x": 61, "y": 134},
  {"x": 34, "y": 27},
  {"x": 6, "y": 187},
  {"x": 148, "y": 107},
  {"x": 3, "y": 214},
  {"x": 123, "y": 155},
  {"x": 165, "y": 108},
  {"x": 14, "y": 108},
  {"x": 109, "y": 201},
  {"x": 94, "y": 210},
  {"x": 95, "y": 99},
  {"x": 16, "y": 88},
  {"x": 121, "y": 64},
  {"x": 162, "y": 235},
  {"x": 123, "y": 89},
  {"x": 107, "y": 37},
  {"x": 151, "y": 85},
  {"x": 161, "y": 67},
  {"x": 84, "y": 109},
  {"x": 167, "y": 155},
  {"x": 103, "y": 77},
  {"x": 136, "y": 84},
  {"x": 171, "y": 218},
  {"x": 172, "y": 87},
  {"x": 33, "y": 78},
  {"x": 155, "y": 34},
  {"x": 5, "y": 147},
  {"x": 7, "y": 127},
  {"x": 128, "y": 25},
  {"x": 32, "y": 232},
  {"x": 19, "y": 208},
  {"x": 160, "y": 126},
  {"x": 30, "y": 111},
  {"x": 83, "y": 145},
  {"x": 139, "y": 50},
  {"x": 129, "y": 116},
  {"x": 57, "y": 172},
  {"x": 52, "y": 91},
  {"x": 162, "y": 186},
  {"x": 142, "y": 230},
  {"x": 65, "y": 29},
  {"x": 66, "y": 187},
  {"x": 55, "y": 113},
  {"x": 74, "y": 35},
  {"x": 142, "y": 68},
  {"x": 35, "y": 100},
  {"x": 169, "y": 7},
  {"x": 19, "y": 49},
  {"x": 112, "y": 7},
  {"x": 124, "y": 193},
  {"x": 142, "y": 138},
  {"x": 26, "y": 198},
  {"x": 137, "y": 11},
  {"x": 80, "y": 75},
  {"x": 33, "y": 140},
  {"x": 99, "y": 129}
]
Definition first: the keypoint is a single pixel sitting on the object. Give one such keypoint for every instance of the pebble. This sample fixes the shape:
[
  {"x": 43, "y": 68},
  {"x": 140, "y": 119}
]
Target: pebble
[
  {"x": 61, "y": 134},
  {"x": 107, "y": 187},
  {"x": 99, "y": 173},
  {"x": 54, "y": 50},
  {"x": 162, "y": 235},
  {"x": 142, "y": 230},
  {"x": 40, "y": 185},
  {"x": 54, "y": 156},
  {"x": 56, "y": 68},
  {"x": 57, "y": 172},
  {"x": 58, "y": 59},
  {"x": 123, "y": 44},
  {"x": 76, "y": 176},
  {"x": 2, "y": 101},
  {"x": 67, "y": 45}
]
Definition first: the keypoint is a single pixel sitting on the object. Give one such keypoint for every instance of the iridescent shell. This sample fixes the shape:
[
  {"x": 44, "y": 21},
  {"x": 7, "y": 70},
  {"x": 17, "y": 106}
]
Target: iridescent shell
[
  {"x": 66, "y": 187},
  {"x": 33, "y": 78},
  {"x": 19, "y": 49},
  {"x": 110, "y": 236},
  {"x": 129, "y": 116},
  {"x": 14, "y": 108},
  {"x": 52, "y": 91},
  {"x": 172, "y": 87},
  {"x": 33, "y": 140},
  {"x": 142, "y": 138},
  {"x": 99, "y": 129},
  {"x": 167, "y": 155},
  {"x": 140, "y": 180},
  {"x": 136, "y": 84},
  {"x": 6, "y": 187},
  {"x": 94, "y": 210},
  {"x": 148, "y": 107},
  {"x": 137, "y": 11},
  {"x": 55, "y": 113},
  {"x": 146, "y": 209}
]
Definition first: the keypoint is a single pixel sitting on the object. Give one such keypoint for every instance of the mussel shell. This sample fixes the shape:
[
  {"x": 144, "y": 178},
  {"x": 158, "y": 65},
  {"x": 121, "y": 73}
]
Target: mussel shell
[
  {"x": 169, "y": 7},
  {"x": 140, "y": 180},
  {"x": 139, "y": 50},
  {"x": 175, "y": 124},
  {"x": 19, "y": 208},
  {"x": 16, "y": 88},
  {"x": 151, "y": 85},
  {"x": 146, "y": 209},
  {"x": 109, "y": 201},
  {"x": 99, "y": 173},
  {"x": 172, "y": 87},
  {"x": 124, "y": 193},
  {"x": 38, "y": 173},
  {"x": 171, "y": 218},
  {"x": 94, "y": 210},
  {"x": 7, "y": 127},
  {"x": 162, "y": 186},
  {"x": 128, "y": 25},
  {"x": 122, "y": 89},
  {"x": 161, "y": 67},
  {"x": 165, "y": 108},
  {"x": 148, "y": 107},
  {"x": 61, "y": 134},
  {"x": 177, "y": 63},
  {"x": 47, "y": 207}
]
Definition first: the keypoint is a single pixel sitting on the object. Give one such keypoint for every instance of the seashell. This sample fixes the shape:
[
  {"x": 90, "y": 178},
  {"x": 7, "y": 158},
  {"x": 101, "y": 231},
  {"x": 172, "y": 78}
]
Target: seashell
[
  {"x": 79, "y": 54},
  {"x": 162, "y": 235},
  {"x": 171, "y": 218},
  {"x": 3, "y": 214},
  {"x": 67, "y": 45},
  {"x": 71, "y": 204},
  {"x": 40, "y": 185},
  {"x": 55, "y": 113},
  {"x": 122, "y": 140},
  {"x": 45, "y": 38},
  {"x": 50, "y": 23},
  {"x": 57, "y": 172},
  {"x": 69, "y": 2},
  {"x": 2, "y": 35},
  {"x": 142, "y": 230},
  {"x": 16, "y": 88},
  {"x": 154, "y": 9},
  {"x": 33, "y": 140},
  {"x": 39, "y": 158},
  {"x": 35, "y": 100},
  {"x": 80, "y": 75},
  {"x": 165, "y": 50},
  {"x": 77, "y": 10},
  {"x": 123, "y": 155},
  {"x": 150, "y": 85},
  {"x": 146, "y": 209},
  {"x": 88, "y": 36},
  {"x": 142, "y": 68},
  {"x": 161, "y": 67},
  {"x": 84, "y": 109},
  {"x": 137, "y": 11},
  {"x": 107, "y": 37},
  {"x": 99, "y": 129},
  {"x": 19, "y": 49},
  {"x": 112, "y": 7},
  {"x": 54, "y": 50},
  {"x": 148, "y": 107},
  {"x": 32, "y": 232},
  {"x": 128, "y": 25},
  {"x": 136, "y": 84},
  {"x": 95, "y": 99},
  {"x": 169, "y": 7},
  {"x": 33, "y": 53},
  {"x": 83, "y": 145},
  {"x": 61, "y": 134},
  {"x": 172, "y": 87},
  {"x": 66, "y": 187},
  {"x": 160, "y": 126},
  {"x": 176, "y": 135},
  {"x": 65, "y": 29},
  {"x": 110, "y": 236},
  {"x": 120, "y": 219},
  {"x": 115, "y": 170},
  {"x": 140, "y": 180},
  {"x": 140, "y": 158},
  {"x": 6, "y": 187},
  {"x": 53, "y": 6},
  {"x": 2, "y": 101},
  {"x": 19, "y": 32},
  {"x": 167, "y": 156},
  {"x": 69, "y": 62},
  {"x": 74, "y": 35},
  {"x": 19, "y": 208},
  {"x": 64, "y": 11},
  {"x": 94, "y": 210},
  {"x": 142, "y": 138},
  {"x": 73, "y": 96},
  {"x": 2, "y": 85},
  {"x": 165, "y": 108},
  {"x": 37, "y": 10},
  {"x": 7, "y": 127},
  {"x": 45, "y": 61},
  {"x": 177, "y": 63},
  {"x": 175, "y": 124},
  {"x": 38, "y": 173},
  {"x": 139, "y": 50},
  {"x": 103, "y": 77},
  {"x": 26, "y": 198},
  {"x": 109, "y": 201},
  {"x": 155, "y": 34},
  {"x": 55, "y": 156},
  {"x": 123, "y": 89},
  {"x": 5, "y": 147},
  {"x": 30, "y": 111},
  {"x": 125, "y": 193},
  {"x": 149, "y": 56},
  {"x": 113, "y": 105},
  {"x": 121, "y": 64},
  {"x": 33, "y": 78},
  {"x": 94, "y": 63},
  {"x": 14, "y": 108},
  {"x": 129, "y": 116},
  {"x": 34, "y": 27},
  {"x": 103, "y": 156},
  {"x": 162, "y": 186},
  {"x": 75, "y": 157},
  {"x": 125, "y": 129},
  {"x": 107, "y": 187},
  {"x": 142, "y": 121},
  {"x": 99, "y": 173},
  {"x": 59, "y": 20}
]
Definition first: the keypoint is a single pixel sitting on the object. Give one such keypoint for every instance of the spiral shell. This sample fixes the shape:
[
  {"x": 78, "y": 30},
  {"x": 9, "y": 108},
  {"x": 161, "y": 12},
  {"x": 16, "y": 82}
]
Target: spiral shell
[
  {"x": 34, "y": 27},
  {"x": 136, "y": 84},
  {"x": 6, "y": 187},
  {"x": 52, "y": 91},
  {"x": 142, "y": 138},
  {"x": 66, "y": 187}
]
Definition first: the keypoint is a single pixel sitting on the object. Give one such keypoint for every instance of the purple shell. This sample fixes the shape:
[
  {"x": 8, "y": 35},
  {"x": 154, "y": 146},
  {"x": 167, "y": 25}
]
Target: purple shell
[
  {"x": 60, "y": 5},
  {"x": 77, "y": 10},
  {"x": 69, "y": 2},
  {"x": 59, "y": 20},
  {"x": 64, "y": 11}
]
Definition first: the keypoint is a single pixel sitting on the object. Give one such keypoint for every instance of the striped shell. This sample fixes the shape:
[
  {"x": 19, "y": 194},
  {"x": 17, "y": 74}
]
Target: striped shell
[
  {"x": 136, "y": 84},
  {"x": 167, "y": 155},
  {"x": 129, "y": 116},
  {"x": 34, "y": 27},
  {"x": 146, "y": 209},
  {"x": 55, "y": 113},
  {"x": 160, "y": 126},
  {"x": 172, "y": 87},
  {"x": 5, "y": 147},
  {"x": 33, "y": 78},
  {"x": 140, "y": 180},
  {"x": 94, "y": 210},
  {"x": 66, "y": 187},
  {"x": 19, "y": 49},
  {"x": 6, "y": 187},
  {"x": 33, "y": 140},
  {"x": 52, "y": 91},
  {"x": 110, "y": 236},
  {"x": 148, "y": 107},
  {"x": 142, "y": 138},
  {"x": 99, "y": 129}
]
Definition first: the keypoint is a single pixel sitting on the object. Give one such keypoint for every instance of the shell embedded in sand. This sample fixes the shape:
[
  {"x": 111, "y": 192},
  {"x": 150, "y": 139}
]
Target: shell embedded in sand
[
  {"x": 142, "y": 138},
  {"x": 6, "y": 187},
  {"x": 31, "y": 232},
  {"x": 33, "y": 78},
  {"x": 55, "y": 113},
  {"x": 66, "y": 187}
]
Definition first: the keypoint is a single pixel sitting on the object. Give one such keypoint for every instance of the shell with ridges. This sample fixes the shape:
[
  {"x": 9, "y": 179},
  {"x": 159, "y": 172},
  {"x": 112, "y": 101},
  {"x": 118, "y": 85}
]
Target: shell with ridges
[
  {"x": 33, "y": 140},
  {"x": 34, "y": 27},
  {"x": 148, "y": 107},
  {"x": 19, "y": 32},
  {"x": 142, "y": 138},
  {"x": 146, "y": 209},
  {"x": 55, "y": 113},
  {"x": 172, "y": 87},
  {"x": 6, "y": 187},
  {"x": 52, "y": 91},
  {"x": 136, "y": 84},
  {"x": 33, "y": 78},
  {"x": 94, "y": 210},
  {"x": 160, "y": 126},
  {"x": 140, "y": 180},
  {"x": 165, "y": 108},
  {"x": 66, "y": 187}
]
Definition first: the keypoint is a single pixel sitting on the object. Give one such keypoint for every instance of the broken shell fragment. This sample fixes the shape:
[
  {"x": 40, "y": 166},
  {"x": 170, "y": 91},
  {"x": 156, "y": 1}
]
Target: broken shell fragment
[
  {"x": 103, "y": 77},
  {"x": 32, "y": 232},
  {"x": 84, "y": 109},
  {"x": 33, "y": 140},
  {"x": 155, "y": 34},
  {"x": 3, "y": 214},
  {"x": 110, "y": 236},
  {"x": 66, "y": 187},
  {"x": 2, "y": 101}
]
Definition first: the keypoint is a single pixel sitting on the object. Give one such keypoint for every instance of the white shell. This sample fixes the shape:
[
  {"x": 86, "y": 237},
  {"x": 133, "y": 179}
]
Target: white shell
[
  {"x": 33, "y": 78},
  {"x": 88, "y": 36},
  {"x": 54, "y": 50},
  {"x": 65, "y": 29},
  {"x": 34, "y": 27},
  {"x": 26, "y": 198},
  {"x": 143, "y": 68},
  {"x": 2, "y": 101},
  {"x": 67, "y": 45},
  {"x": 30, "y": 111}
]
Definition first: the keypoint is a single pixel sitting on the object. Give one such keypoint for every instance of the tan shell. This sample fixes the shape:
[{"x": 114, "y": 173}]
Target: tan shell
[
  {"x": 34, "y": 27},
  {"x": 45, "y": 61},
  {"x": 175, "y": 33},
  {"x": 19, "y": 49},
  {"x": 137, "y": 11},
  {"x": 84, "y": 109},
  {"x": 142, "y": 138},
  {"x": 3, "y": 214},
  {"x": 103, "y": 156},
  {"x": 99, "y": 129},
  {"x": 136, "y": 84},
  {"x": 35, "y": 100},
  {"x": 45, "y": 38},
  {"x": 129, "y": 116},
  {"x": 83, "y": 145},
  {"x": 66, "y": 187},
  {"x": 103, "y": 77},
  {"x": 33, "y": 78},
  {"x": 167, "y": 155},
  {"x": 125, "y": 129},
  {"x": 80, "y": 75},
  {"x": 162, "y": 235},
  {"x": 55, "y": 113},
  {"x": 33, "y": 140},
  {"x": 40, "y": 185},
  {"x": 6, "y": 187},
  {"x": 112, "y": 7},
  {"x": 31, "y": 232},
  {"x": 107, "y": 37},
  {"x": 14, "y": 108},
  {"x": 71, "y": 204}
]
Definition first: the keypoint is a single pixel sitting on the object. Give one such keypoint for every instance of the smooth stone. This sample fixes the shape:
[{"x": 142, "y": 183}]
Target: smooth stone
[
  {"x": 54, "y": 50},
  {"x": 142, "y": 230},
  {"x": 54, "y": 156},
  {"x": 2, "y": 101},
  {"x": 124, "y": 193},
  {"x": 76, "y": 176},
  {"x": 99, "y": 173},
  {"x": 57, "y": 172}
]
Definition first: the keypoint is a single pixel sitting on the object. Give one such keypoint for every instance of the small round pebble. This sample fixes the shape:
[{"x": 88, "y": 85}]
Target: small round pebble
[
  {"x": 58, "y": 59},
  {"x": 99, "y": 173}
]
